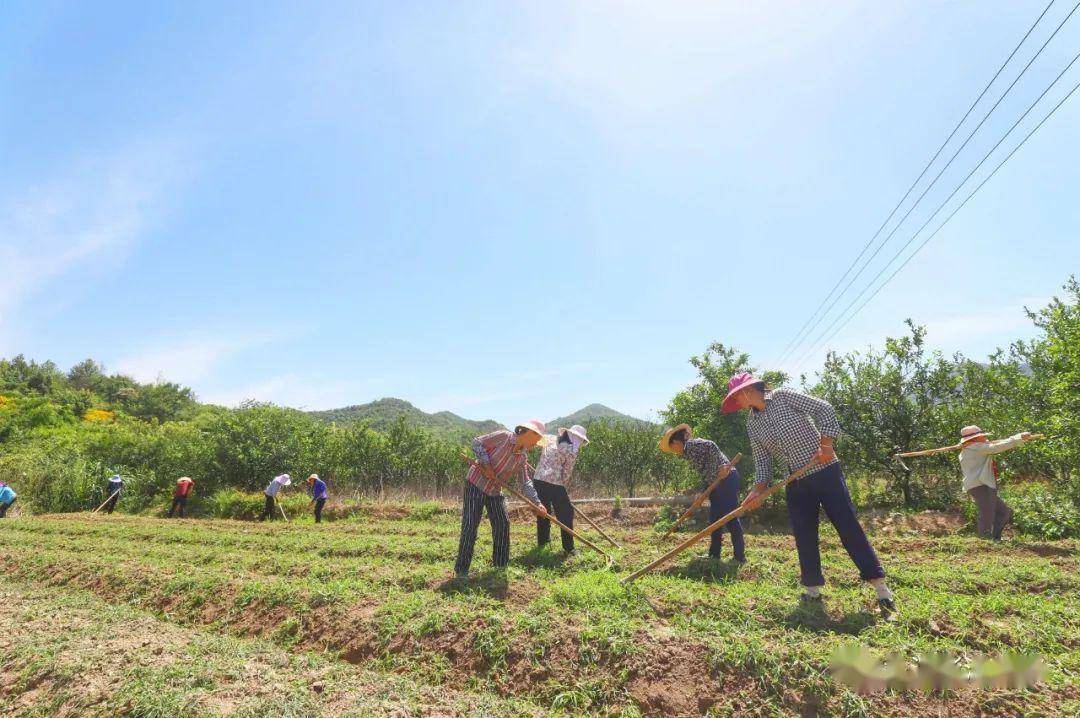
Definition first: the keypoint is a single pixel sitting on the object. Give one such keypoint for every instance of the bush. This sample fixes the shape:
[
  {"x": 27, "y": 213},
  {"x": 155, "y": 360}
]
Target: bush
[{"x": 234, "y": 504}]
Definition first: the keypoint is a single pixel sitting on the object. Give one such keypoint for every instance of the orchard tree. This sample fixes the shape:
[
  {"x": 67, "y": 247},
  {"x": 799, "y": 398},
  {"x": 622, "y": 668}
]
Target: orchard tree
[
  {"x": 699, "y": 404},
  {"x": 890, "y": 401},
  {"x": 1054, "y": 363}
]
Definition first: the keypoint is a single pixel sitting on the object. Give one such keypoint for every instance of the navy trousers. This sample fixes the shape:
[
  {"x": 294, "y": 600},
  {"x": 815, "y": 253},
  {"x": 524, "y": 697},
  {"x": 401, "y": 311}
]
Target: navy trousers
[
  {"x": 723, "y": 500},
  {"x": 827, "y": 490}
]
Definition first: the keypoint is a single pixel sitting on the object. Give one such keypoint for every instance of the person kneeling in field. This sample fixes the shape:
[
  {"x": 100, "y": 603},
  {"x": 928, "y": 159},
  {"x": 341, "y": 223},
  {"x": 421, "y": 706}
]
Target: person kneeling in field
[
  {"x": 184, "y": 485},
  {"x": 706, "y": 459},
  {"x": 500, "y": 455},
  {"x": 319, "y": 495},
  {"x": 553, "y": 472},
  {"x": 272, "y": 489},
  {"x": 980, "y": 471},
  {"x": 7, "y": 498},
  {"x": 795, "y": 429}
]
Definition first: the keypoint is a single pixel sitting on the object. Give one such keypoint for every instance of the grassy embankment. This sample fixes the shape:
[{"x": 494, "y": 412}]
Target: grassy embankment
[{"x": 199, "y": 610}]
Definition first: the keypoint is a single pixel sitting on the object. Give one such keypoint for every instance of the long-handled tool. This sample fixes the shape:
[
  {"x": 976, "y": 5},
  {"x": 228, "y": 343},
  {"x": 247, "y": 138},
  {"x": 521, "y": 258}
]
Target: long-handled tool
[
  {"x": 596, "y": 526},
  {"x": 714, "y": 526},
  {"x": 722, "y": 474},
  {"x": 99, "y": 508},
  {"x": 583, "y": 515},
  {"x": 282, "y": 510},
  {"x": 540, "y": 511},
  {"x": 946, "y": 449}
]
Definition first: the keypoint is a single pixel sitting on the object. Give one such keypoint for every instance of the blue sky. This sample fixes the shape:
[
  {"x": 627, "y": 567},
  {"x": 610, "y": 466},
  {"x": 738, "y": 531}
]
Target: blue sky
[{"x": 505, "y": 209}]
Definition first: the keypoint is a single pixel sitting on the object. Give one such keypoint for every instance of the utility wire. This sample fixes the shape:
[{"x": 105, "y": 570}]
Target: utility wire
[
  {"x": 806, "y": 329},
  {"x": 818, "y": 343},
  {"x": 933, "y": 182}
]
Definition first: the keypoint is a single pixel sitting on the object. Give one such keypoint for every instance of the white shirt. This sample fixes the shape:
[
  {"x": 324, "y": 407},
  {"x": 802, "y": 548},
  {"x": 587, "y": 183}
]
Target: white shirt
[
  {"x": 976, "y": 459},
  {"x": 275, "y": 486}
]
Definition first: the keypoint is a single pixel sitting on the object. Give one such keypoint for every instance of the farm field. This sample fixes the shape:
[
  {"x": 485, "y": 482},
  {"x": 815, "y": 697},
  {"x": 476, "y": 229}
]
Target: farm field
[{"x": 121, "y": 615}]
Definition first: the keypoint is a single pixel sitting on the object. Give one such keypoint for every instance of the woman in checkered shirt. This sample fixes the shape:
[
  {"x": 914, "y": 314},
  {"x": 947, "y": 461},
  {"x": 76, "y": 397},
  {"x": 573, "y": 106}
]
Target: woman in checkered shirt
[{"x": 795, "y": 429}]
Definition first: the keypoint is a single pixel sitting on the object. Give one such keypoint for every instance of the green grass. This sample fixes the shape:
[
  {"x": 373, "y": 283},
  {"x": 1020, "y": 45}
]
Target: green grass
[{"x": 565, "y": 634}]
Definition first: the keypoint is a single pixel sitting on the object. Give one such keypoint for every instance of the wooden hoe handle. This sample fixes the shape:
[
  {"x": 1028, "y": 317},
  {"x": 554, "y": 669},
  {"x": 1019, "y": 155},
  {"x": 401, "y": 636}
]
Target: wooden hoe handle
[
  {"x": 725, "y": 470},
  {"x": 740, "y": 511},
  {"x": 537, "y": 510}
]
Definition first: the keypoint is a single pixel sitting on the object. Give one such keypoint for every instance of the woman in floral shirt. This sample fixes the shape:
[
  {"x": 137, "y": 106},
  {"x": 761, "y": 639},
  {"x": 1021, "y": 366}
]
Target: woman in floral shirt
[
  {"x": 706, "y": 459},
  {"x": 553, "y": 473}
]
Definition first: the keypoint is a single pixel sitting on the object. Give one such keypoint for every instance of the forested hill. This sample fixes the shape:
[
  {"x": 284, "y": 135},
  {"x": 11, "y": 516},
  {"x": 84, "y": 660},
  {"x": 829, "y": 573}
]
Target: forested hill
[
  {"x": 384, "y": 412},
  {"x": 595, "y": 412}
]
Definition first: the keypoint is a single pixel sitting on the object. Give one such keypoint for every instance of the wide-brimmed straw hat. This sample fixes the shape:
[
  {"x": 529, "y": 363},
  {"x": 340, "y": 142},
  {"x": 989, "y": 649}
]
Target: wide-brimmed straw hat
[
  {"x": 184, "y": 478},
  {"x": 577, "y": 430},
  {"x": 313, "y": 477},
  {"x": 665, "y": 440},
  {"x": 736, "y": 384},
  {"x": 970, "y": 432}
]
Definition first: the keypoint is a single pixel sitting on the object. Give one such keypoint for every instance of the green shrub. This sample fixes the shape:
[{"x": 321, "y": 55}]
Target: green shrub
[
  {"x": 1043, "y": 510},
  {"x": 234, "y": 504}
]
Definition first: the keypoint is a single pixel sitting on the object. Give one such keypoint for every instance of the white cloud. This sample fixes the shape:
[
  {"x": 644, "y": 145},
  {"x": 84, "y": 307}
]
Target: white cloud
[
  {"x": 632, "y": 61},
  {"x": 297, "y": 391},
  {"x": 187, "y": 362},
  {"x": 975, "y": 334},
  {"x": 91, "y": 215}
]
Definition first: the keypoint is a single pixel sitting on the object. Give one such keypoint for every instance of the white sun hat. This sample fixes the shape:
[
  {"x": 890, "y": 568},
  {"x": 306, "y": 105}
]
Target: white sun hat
[{"x": 577, "y": 435}]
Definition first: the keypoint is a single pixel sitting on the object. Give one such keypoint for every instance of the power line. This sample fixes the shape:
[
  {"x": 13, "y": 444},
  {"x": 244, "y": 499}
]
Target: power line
[
  {"x": 933, "y": 182},
  {"x": 818, "y": 343},
  {"x": 958, "y": 208},
  {"x": 806, "y": 328}
]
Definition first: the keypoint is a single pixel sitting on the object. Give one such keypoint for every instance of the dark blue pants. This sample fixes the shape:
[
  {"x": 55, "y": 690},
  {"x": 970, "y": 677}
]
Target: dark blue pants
[
  {"x": 723, "y": 500},
  {"x": 827, "y": 490}
]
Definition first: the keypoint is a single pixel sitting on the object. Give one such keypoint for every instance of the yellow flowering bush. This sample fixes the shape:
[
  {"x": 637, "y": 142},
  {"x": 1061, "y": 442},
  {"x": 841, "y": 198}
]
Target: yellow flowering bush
[{"x": 98, "y": 415}]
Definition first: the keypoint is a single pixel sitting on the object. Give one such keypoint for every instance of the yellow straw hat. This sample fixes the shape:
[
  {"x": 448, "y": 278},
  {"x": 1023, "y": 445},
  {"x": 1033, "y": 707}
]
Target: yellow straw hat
[{"x": 665, "y": 440}]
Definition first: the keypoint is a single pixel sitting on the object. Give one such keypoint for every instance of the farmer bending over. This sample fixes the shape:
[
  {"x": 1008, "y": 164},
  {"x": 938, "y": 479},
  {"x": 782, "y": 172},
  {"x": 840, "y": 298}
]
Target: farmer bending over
[
  {"x": 112, "y": 490},
  {"x": 706, "y": 459},
  {"x": 7, "y": 498},
  {"x": 795, "y": 429},
  {"x": 271, "y": 493},
  {"x": 500, "y": 455},
  {"x": 980, "y": 471},
  {"x": 318, "y": 495},
  {"x": 553, "y": 473},
  {"x": 184, "y": 485}
]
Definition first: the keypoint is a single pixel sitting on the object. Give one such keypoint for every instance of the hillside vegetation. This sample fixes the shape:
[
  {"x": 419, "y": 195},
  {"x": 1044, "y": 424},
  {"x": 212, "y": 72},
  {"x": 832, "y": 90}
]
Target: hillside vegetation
[
  {"x": 63, "y": 432},
  {"x": 594, "y": 413},
  {"x": 382, "y": 414}
]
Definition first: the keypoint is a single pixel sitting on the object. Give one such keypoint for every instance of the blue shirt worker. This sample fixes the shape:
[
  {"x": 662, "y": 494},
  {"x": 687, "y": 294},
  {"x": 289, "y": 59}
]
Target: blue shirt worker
[
  {"x": 319, "y": 495},
  {"x": 112, "y": 490},
  {"x": 7, "y": 498}
]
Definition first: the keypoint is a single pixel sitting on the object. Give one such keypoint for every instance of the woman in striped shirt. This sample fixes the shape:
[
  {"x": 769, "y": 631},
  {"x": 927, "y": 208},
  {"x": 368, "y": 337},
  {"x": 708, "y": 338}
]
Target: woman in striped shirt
[{"x": 499, "y": 455}]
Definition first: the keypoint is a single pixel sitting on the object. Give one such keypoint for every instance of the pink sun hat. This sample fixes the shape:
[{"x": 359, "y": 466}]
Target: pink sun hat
[
  {"x": 736, "y": 384},
  {"x": 534, "y": 425}
]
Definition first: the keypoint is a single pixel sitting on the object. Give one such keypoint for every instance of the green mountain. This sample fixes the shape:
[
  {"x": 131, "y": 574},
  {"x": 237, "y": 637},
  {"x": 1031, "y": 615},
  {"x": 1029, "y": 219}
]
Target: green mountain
[
  {"x": 593, "y": 412},
  {"x": 384, "y": 412}
]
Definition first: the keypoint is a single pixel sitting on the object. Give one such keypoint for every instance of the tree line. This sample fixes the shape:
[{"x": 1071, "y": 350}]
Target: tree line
[{"x": 62, "y": 433}]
